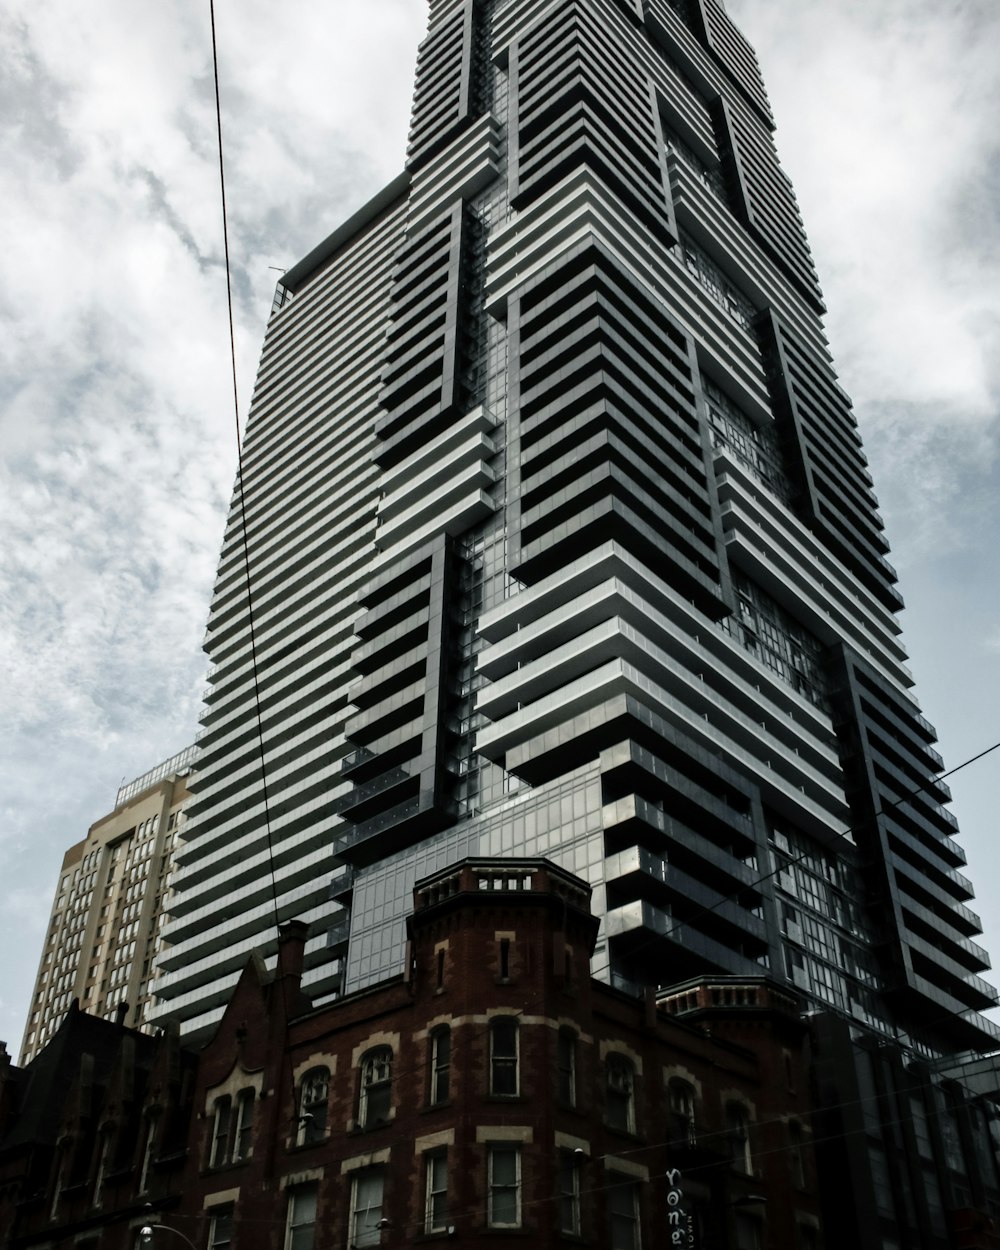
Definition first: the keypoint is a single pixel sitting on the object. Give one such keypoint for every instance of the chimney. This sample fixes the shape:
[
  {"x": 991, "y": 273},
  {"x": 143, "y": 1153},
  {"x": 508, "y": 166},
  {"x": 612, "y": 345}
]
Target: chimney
[{"x": 291, "y": 949}]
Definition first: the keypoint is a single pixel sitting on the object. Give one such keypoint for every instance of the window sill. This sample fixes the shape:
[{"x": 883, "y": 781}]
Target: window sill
[
  {"x": 308, "y": 1145},
  {"x": 363, "y": 1130},
  {"x": 627, "y": 1133},
  {"x": 234, "y": 1165}
]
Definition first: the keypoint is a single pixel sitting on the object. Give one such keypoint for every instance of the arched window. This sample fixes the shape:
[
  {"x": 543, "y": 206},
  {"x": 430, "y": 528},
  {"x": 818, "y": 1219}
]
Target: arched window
[
  {"x": 682, "y": 1112},
  {"x": 620, "y": 1093},
  {"x": 313, "y": 1096},
  {"x": 503, "y": 1056},
  {"x": 62, "y": 1171},
  {"x": 148, "y": 1151},
  {"x": 738, "y": 1128},
  {"x": 243, "y": 1134},
  {"x": 440, "y": 1065},
  {"x": 376, "y": 1088},
  {"x": 103, "y": 1165},
  {"x": 221, "y": 1123}
]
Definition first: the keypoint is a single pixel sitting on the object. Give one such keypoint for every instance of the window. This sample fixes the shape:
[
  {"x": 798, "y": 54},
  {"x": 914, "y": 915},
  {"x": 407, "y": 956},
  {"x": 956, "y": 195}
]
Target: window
[
  {"x": 738, "y": 1128},
  {"x": 620, "y": 1094},
  {"x": 747, "y": 1232},
  {"x": 503, "y": 1056},
  {"x": 566, "y": 1067},
  {"x": 440, "y": 1064},
  {"x": 60, "y": 1182},
  {"x": 504, "y": 1187},
  {"x": 808, "y": 1237},
  {"x": 220, "y": 1230},
  {"x": 796, "y": 1156},
  {"x": 436, "y": 1203},
  {"x": 312, "y": 1106},
  {"x": 102, "y": 1168},
  {"x": 243, "y": 1141},
  {"x": 504, "y": 959},
  {"x": 147, "y": 1153},
  {"x": 301, "y": 1230},
  {"x": 569, "y": 1193},
  {"x": 366, "y": 1208},
  {"x": 623, "y": 1212},
  {"x": 682, "y": 1129},
  {"x": 219, "y": 1155},
  {"x": 376, "y": 1088}
]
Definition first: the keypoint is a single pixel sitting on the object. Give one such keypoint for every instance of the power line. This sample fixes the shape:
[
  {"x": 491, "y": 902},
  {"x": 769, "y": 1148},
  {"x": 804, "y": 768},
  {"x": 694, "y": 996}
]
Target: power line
[{"x": 254, "y": 668}]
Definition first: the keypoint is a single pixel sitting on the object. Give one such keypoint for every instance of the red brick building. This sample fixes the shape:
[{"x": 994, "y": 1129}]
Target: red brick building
[{"x": 495, "y": 1092}]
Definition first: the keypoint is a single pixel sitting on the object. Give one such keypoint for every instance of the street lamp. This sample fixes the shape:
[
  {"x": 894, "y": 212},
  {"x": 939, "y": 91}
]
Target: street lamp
[{"x": 146, "y": 1233}]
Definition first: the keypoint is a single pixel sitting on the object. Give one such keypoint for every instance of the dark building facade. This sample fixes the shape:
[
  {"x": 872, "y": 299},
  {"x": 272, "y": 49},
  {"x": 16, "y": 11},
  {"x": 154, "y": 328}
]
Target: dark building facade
[
  {"x": 562, "y": 543},
  {"x": 494, "y": 1090}
]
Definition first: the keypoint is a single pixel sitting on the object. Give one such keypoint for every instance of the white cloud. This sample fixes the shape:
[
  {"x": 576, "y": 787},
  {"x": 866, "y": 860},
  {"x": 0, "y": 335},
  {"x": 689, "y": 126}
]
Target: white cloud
[
  {"x": 885, "y": 119},
  {"x": 117, "y": 444}
]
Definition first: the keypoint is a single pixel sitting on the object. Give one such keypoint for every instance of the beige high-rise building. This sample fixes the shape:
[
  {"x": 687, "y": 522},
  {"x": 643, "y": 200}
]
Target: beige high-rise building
[{"x": 105, "y": 925}]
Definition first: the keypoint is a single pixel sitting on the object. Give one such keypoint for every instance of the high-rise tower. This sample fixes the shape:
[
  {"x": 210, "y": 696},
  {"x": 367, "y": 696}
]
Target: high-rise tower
[
  {"x": 562, "y": 542},
  {"x": 103, "y": 931}
]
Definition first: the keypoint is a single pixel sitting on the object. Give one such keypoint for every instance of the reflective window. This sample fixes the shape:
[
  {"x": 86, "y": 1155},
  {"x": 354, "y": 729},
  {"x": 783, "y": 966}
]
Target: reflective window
[
  {"x": 313, "y": 1096},
  {"x": 220, "y": 1230},
  {"x": 366, "y": 1208},
  {"x": 504, "y": 1186},
  {"x": 376, "y": 1088},
  {"x": 243, "y": 1138},
  {"x": 149, "y": 1145},
  {"x": 436, "y": 1197},
  {"x": 301, "y": 1229},
  {"x": 220, "y": 1132}
]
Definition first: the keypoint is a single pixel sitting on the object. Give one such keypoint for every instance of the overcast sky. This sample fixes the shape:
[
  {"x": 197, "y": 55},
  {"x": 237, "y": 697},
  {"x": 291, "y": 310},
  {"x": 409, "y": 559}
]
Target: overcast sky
[{"x": 117, "y": 447}]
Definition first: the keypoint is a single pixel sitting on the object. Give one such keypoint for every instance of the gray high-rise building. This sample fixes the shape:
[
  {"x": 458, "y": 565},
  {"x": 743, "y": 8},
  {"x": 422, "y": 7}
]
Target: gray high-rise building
[{"x": 562, "y": 542}]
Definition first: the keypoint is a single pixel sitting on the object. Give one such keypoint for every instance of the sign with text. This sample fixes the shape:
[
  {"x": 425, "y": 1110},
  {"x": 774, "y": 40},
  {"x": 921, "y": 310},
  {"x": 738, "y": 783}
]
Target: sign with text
[{"x": 680, "y": 1222}]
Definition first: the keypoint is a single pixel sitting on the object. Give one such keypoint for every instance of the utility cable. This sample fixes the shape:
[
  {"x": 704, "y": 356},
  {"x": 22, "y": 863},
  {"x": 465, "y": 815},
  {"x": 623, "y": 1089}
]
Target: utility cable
[
  {"x": 478, "y": 1211},
  {"x": 254, "y": 668}
]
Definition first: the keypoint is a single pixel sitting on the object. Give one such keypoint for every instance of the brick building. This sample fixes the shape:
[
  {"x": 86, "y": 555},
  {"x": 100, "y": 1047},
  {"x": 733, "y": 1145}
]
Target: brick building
[{"x": 493, "y": 1090}]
